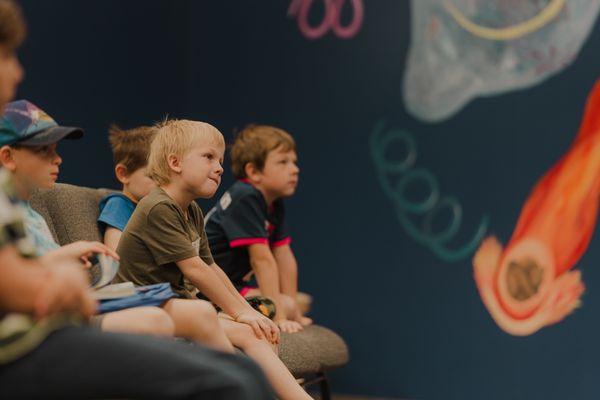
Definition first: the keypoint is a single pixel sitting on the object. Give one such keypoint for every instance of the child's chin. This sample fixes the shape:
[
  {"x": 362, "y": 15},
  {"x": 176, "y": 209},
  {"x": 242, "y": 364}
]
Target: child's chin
[
  {"x": 206, "y": 194},
  {"x": 48, "y": 185}
]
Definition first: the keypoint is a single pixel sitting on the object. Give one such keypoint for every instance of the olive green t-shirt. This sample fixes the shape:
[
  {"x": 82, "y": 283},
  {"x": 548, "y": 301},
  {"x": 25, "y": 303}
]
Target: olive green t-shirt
[{"x": 158, "y": 234}]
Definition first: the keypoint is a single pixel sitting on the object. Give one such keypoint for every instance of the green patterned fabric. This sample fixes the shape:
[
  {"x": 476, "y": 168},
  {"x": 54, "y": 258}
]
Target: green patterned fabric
[{"x": 19, "y": 333}]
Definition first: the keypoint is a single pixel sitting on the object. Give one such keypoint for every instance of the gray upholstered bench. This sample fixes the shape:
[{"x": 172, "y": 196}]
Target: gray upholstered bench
[{"x": 71, "y": 213}]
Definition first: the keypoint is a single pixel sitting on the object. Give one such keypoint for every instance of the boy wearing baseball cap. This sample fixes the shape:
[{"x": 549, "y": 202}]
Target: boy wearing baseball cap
[{"x": 29, "y": 138}]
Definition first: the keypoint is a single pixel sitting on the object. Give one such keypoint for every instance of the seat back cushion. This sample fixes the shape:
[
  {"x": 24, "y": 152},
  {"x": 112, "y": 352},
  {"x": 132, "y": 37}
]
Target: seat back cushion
[{"x": 71, "y": 211}]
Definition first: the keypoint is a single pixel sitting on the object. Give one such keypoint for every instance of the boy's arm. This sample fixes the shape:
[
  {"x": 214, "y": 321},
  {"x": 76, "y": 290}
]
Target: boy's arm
[
  {"x": 207, "y": 280},
  {"x": 112, "y": 237},
  {"x": 288, "y": 270},
  {"x": 28, "y": 287},
  {"x": 265, "y": 268},
  {"x": 227, "y": 282},
  {"x": 80, "y": 250}
]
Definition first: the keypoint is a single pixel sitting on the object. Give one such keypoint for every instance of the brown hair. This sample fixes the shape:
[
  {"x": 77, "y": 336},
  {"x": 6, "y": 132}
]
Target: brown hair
[
  {"x": 131, "y": 147},
  {"x": 253, "y": 144},
  {"x": 12, "y": 24}
]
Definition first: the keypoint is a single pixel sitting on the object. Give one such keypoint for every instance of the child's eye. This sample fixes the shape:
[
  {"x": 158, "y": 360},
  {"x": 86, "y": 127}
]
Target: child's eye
[{"x": 209, "y": 156}]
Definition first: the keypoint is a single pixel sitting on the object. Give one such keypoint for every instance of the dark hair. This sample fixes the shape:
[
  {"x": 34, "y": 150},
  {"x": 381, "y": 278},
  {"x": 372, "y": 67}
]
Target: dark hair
[{"x": 131, "y": 147}]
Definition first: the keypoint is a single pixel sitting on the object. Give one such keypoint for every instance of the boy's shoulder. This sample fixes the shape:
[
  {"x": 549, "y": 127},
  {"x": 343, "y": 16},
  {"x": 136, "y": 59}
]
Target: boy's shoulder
[
  {"x": 159, "y": 202},
  {"x": 116, "y": 198},
  {"x": 115, "y": 210},
  {"x": 156, "y": 198},
  {"x": 241, "y": 192}
]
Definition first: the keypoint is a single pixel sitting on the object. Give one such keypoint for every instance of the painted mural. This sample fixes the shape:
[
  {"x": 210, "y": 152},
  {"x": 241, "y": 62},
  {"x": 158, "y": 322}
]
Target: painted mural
[
  {"x": 462, "y": 49},
  {"x": 398, "y": 176},
  {"x": 331, "y": 19},
  {"x": 531, "y": 283}
]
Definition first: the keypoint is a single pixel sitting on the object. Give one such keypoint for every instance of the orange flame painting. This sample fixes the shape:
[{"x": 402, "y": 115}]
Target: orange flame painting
[{"x": 530, "y": 284}]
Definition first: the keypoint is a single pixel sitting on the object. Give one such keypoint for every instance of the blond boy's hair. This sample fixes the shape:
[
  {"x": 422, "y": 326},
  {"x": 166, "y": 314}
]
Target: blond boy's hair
[
  {"x": 12, "y": 24},
  {"x": 253, "y": 144},
  {"x": 177, "y": 137},
  {"x": 131, "y": 147}
]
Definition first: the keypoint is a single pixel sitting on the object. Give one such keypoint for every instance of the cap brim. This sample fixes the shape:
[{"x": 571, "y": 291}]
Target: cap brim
[{"x": 52, "y": 135}]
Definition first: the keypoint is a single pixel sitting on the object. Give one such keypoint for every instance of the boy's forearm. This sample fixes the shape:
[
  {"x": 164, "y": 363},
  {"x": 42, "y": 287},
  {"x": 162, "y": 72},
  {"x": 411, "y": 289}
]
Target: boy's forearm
[
  {"x": 51, "y": 257},
  {"x": 288, "y": 271},
  {"x": 112, "y": 237},
  {"x": 227, "y": 282},
  {"x": 267, "y": 277},
  {"x": 208, "y": 282}
]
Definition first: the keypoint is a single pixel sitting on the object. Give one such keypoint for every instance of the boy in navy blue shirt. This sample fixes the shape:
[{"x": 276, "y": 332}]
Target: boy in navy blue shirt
[{"x": 247, "y": 230}]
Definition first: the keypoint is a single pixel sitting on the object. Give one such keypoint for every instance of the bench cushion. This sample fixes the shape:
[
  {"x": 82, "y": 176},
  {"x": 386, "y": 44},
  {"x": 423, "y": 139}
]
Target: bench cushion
[{"x": 72, "y": 213}]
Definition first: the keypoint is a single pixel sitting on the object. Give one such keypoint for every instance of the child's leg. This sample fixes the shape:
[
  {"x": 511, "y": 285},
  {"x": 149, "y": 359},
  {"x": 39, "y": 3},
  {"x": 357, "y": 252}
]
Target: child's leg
[
  {"x": 140, "y": 320},
  {"x": 197, "y": 320},
  {"x": 281, "y": 379},
  {"x": 304, "y": 301}
]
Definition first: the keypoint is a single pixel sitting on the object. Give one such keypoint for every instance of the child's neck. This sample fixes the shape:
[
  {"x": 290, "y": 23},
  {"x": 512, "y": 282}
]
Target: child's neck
[
  {"x": 269, "y": 198},
  {"x": 128, "y": 194},
  {"x": 179, "y": 196},
  {"x": 23, "y": 190}
]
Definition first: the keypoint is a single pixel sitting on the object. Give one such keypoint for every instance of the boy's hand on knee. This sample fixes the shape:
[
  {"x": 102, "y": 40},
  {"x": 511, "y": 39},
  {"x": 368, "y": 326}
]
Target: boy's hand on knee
[
  {"x": 289, "y": 326},
  {"x": 263, "y": 327}
]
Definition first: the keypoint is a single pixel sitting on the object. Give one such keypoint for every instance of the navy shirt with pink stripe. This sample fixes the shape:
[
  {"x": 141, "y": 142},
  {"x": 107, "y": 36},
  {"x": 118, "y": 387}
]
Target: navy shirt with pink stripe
[{"x": 240, "y": 218}]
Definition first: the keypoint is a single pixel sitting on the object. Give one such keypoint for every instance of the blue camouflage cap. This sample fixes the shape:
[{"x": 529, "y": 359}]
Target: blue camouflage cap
[{"x": 26, "y": 124}]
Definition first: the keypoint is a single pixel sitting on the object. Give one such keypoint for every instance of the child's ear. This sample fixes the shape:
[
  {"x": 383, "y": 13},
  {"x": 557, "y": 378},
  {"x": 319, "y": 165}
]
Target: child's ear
[
  {"x": 7, "y": 159},
  {"x": 252, "y": 172},
  {"x": 174, "y": 163},
  {"x": 122, "y": 174}
]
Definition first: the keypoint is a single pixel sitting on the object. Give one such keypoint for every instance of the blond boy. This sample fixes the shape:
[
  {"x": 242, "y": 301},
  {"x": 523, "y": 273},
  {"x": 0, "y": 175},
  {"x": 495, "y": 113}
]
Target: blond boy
[
  {"x": 165, "y": 241},
  {"x": 195, "y": 320}
]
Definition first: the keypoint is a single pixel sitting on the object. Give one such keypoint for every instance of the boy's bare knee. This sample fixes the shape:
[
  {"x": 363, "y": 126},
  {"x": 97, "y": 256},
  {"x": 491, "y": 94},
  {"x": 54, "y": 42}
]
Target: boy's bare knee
[
  {"x": 142, "y": 320},
  {"x": 205, "y": 309},
  {"x": 205, "y": 316},
  {"x": 156, "y": 321}
]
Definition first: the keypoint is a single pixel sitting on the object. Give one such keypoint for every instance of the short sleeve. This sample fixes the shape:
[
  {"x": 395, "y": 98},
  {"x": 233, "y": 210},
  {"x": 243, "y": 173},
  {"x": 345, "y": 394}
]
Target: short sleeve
[
  {"x": 166, "y": 236},
  {"x": 115, "y": 212},
  {"x": 244, "y": 222}
]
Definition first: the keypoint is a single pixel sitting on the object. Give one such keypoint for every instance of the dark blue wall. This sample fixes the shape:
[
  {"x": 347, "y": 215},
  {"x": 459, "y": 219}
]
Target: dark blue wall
[{"x": 415, "y": 324}]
